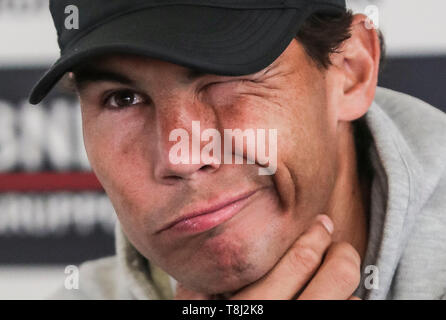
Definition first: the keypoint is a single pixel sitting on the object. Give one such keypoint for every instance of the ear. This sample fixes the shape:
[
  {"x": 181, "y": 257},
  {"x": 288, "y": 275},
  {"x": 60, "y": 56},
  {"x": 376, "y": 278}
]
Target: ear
[{"x": 353, "y": 76}]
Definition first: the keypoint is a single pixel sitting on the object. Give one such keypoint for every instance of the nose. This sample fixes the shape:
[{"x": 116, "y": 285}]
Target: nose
[{"x": 180, "y": 122}]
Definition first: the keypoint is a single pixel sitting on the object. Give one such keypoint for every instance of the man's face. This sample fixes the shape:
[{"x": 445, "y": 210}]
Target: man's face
[{"x": 129, "y": 151}]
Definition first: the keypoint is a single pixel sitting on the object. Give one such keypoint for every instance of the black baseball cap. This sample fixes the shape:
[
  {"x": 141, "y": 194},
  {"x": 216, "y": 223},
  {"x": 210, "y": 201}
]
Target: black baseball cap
[{"x": 225, "y": 37}]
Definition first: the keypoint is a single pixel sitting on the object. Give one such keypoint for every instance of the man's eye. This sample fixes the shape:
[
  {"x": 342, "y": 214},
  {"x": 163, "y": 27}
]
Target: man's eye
[{"x": 124, "y": 98}]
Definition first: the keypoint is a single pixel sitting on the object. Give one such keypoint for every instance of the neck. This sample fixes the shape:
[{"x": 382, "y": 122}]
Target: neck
[{"x": 349, "y": 204}]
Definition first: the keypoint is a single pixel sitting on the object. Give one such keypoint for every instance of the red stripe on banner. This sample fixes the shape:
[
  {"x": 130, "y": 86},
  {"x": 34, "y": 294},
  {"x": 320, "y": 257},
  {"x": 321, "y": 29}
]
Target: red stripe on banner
[{"x": 46, "y": 181}]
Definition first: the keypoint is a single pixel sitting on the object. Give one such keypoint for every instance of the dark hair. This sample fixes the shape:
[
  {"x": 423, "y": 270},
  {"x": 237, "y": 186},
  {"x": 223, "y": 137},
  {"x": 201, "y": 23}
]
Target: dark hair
[{"x": 323, "y": 34}]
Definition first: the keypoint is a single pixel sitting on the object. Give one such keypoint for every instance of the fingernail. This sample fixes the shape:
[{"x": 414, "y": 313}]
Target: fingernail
[{"x": 326, "y": 222}]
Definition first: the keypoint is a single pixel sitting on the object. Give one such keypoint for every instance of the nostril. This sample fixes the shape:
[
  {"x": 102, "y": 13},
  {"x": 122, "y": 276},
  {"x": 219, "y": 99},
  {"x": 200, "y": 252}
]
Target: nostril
[
  {"x": 172, "y": 178},
  {"x": 172, "y": 174},
  {"x": 206, "y": 168}
]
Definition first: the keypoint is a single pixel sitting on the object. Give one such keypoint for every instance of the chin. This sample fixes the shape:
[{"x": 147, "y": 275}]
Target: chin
[
  {"x": 217, "y": 283},
  {"x": 230, "y": 266},
  {"x": 235, "y": 254}
]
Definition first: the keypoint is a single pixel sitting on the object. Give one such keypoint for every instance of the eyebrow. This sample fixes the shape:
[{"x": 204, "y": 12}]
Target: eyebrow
[{"x": 89, "y": 75}]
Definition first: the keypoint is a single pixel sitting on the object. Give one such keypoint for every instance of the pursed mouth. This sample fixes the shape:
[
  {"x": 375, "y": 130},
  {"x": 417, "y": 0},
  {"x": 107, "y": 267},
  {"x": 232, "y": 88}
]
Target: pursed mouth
[{"x": 205, "y": 218}]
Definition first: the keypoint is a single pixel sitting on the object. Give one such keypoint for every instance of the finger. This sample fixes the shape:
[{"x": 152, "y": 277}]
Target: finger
[
  {"x": 296, "y": 267},
  {"x": 354, "y": 298},
  {"x": 338, "y": 277}
]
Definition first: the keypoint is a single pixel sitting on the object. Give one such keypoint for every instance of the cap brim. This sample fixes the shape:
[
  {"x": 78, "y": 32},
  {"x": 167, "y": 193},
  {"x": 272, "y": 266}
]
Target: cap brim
[{"x": 213, "y": 40}]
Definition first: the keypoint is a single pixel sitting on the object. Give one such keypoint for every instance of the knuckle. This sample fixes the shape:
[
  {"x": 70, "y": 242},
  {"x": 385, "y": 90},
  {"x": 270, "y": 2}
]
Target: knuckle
[{"x": 304, "y": 258}]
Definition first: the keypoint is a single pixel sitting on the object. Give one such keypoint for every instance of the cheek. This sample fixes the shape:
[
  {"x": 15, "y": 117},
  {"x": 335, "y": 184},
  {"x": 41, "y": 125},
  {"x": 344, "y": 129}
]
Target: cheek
[
  {"x": 117, "y": 150},
  {"x": 306, "y": 151},
  {"x": 311, "y": 159},
  {"x": 108, "y": 144}
]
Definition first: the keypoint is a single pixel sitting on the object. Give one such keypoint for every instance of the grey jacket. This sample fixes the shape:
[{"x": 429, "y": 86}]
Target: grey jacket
[{"x": 407, "y": 238}]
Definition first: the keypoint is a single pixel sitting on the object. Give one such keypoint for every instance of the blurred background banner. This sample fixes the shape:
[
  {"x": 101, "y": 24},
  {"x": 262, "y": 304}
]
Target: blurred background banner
[{"x": 53, "y": 212}]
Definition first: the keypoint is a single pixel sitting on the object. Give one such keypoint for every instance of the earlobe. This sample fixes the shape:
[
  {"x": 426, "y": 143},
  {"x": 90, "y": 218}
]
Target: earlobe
[{"x": 358, "y": 64}]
